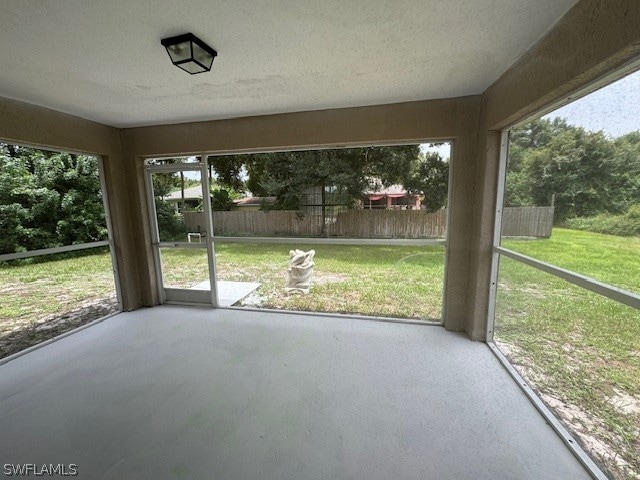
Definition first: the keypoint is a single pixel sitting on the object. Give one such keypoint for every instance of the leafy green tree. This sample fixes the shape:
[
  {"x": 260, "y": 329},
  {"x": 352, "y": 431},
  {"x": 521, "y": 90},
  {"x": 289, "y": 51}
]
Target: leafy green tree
[
  {"x": 532, "y": 136},
  {"x": 229, "y": 170},
  {"x": 576, "y": 166},
  {"x": 12, "y": 213},
  {"x": 48, "y": 199},
  {"x": 430, "y": 177},
  {"x": 587, "y": 172},
  {"x": 290, "y": 175},
  {"x": 164, "y": 183},
  {"x": 627, "y": 170},
  {"x": 221, "y": 200}
]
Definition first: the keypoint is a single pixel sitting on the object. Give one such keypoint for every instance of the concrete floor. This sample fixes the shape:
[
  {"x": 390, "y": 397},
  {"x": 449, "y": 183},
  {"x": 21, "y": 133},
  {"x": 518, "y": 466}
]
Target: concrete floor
[{"x": 175, "y": 392}]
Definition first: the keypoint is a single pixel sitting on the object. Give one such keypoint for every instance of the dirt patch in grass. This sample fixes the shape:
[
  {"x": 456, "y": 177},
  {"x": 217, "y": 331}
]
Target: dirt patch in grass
[
  {"x": 626, "y": 404},
  {"x": 19, "y": 334},
  {"x": 43, "y": 298},
  {"x": 325, "y": 278},
  {"x": 591, "y": 432}
]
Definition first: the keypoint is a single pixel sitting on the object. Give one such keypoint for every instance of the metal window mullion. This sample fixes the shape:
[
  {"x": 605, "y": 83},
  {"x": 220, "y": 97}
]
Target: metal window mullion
[
  {"x": 211, "y": 253},
  {"x": 400, "y": 242},
  {"x": 452, "y": 146},
  {"x": 52, "y": 251},
  {"x": 497, "y": 233},
  {"x": 619, "y": 295},
  {"x": 174, "y": 167},
  {"x": 181, "y": 245}
]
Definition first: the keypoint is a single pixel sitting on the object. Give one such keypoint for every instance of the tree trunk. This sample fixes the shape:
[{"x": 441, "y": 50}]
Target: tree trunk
[
  {"x": 323, "y": 230},
  {"x": 182, "y": 189}
]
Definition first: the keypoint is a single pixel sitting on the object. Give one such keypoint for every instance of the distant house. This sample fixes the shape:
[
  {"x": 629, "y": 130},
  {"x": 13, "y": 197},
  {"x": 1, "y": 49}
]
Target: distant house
[
  {"x": 251, "y": 204},
  {"x": 192, "y": 198},
  {"x": 394, "y": 197}
]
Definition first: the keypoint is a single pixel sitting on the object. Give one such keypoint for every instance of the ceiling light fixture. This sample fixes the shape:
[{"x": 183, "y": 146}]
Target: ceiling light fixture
[{"x": 189, "y": 53}]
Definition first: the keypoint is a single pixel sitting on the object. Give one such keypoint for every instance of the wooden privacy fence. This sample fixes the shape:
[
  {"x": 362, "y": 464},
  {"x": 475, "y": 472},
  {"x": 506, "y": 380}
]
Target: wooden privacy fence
[
  {"x": 389, "y": 224},
  {"x": 351, "y": 223},
  {"x": 527, "y": 221},
  {"x": 280, "y": 223},
  {"x": 524, "y": 221}
]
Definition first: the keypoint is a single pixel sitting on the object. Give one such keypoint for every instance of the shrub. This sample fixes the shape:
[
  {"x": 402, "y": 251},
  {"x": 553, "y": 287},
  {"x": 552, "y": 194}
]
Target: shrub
[
  {"x": 170, "y": 225},
  {"x": 625, "y": 225},
  {"x": 221, "y": 200}
]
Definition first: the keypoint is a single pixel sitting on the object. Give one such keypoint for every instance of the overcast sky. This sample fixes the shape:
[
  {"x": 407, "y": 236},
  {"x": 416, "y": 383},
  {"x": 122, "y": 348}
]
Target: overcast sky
[{"x": 614, "y": 109}]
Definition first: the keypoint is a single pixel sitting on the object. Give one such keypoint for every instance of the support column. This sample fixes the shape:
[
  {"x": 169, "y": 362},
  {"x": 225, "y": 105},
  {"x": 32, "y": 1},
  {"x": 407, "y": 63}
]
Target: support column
[
  {"x": 461, "y": 237},
  {"x": 484, "y": 218}
]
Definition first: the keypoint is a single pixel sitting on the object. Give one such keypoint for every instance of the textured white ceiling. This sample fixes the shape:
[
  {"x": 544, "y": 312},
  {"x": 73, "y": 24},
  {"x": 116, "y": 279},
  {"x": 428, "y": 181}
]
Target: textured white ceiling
[{"x": 102, "y": 60}]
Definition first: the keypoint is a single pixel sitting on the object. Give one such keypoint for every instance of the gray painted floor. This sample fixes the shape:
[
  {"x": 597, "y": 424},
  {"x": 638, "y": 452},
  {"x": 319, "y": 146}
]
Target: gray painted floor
[{"x": 174, "y": 392}]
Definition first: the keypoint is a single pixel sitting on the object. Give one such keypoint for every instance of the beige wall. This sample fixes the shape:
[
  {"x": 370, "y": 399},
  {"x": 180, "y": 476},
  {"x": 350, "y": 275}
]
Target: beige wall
[
  {"x": 593, "y": 39},
  {"x": 30, "y": 125},
  {"x": 403, "y": 122},
  {"x": 450, "y": 119}
]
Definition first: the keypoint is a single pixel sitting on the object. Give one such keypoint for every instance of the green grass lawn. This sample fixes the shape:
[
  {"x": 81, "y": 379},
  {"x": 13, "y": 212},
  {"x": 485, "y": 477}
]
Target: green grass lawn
[
  {"x": 579, "y": 349},
  {"x": 30, "y": 290},
  {"x": 403, "y": 282},
  {"x": 42, "y": 298},
  {"x": 607, "y": 258}
]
